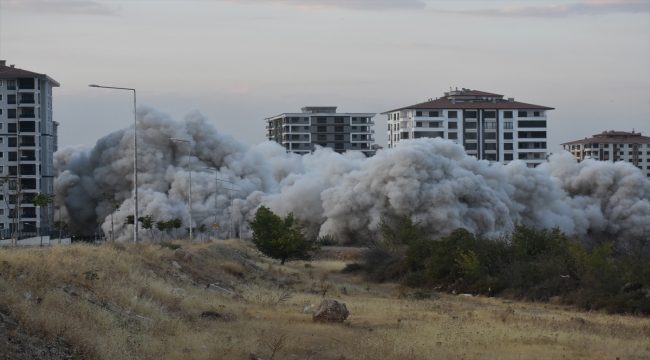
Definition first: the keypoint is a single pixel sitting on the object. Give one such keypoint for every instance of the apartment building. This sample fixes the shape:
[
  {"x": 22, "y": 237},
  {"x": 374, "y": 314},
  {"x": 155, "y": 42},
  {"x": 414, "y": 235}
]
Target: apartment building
[
  {"x": 489, "y": 126},
  {"x": 27, "y": 144},
  {"x": 614, "y": 146},
  {"x": 301, "y": 132}
]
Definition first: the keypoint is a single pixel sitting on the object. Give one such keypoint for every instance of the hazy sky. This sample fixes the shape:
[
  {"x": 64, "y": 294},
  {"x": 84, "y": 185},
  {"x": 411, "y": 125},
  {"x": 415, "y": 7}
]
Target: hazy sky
[{"x": 239, "y": 61}]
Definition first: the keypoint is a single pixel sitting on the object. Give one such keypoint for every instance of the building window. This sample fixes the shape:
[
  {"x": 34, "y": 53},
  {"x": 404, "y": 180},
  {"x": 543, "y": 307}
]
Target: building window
[
  {"x": 470, "y": 114},
  {"x": 491, "y": 135},
  {"x": 338, "y": 137},
  {"x": 305, "y": 127},
  {"x": 490, "y": 114},
  {"x": 0, "y": 111},
  {"x": 453, "y": 125},
  {"x": 321, "y": 120},
  {"x": 490, "y": 125},
  {"x": 470, "y": 125},
  {"x": 536, "y": 113},
  {"x": 355, "y": 145},
  {"x": 507, "y": 146},
  {"x": 322, "y": 129},
  {"x": 338, "y": 128},
  {"x": 338, "y": 120},
  {"x": 507, "y": 136},
  {"x": 11, "y": 84},
  {"x": 490, "y": 146},
  {"x": 321, "y": 137},
  {"x": 354, "y": 127},
  {"x": 452, "y": 114},
  {"x": 522, "y": 113},
  {"x": 434, "y": 114},
  {"x": 452, "y": 136},
  {"x": 2, "y": 212},
  {"x": 470, "y": 136},
  {"x": 418, "y": 124},
  {"x": 338, "y": 146},
  {"x": 507, "y": 157},
  {"x": 507, "y": 125},
  {"x": 491, "y": 157},
  {"x": 507, "y": 114},
  {"x": 404, "y": 135},
  {"x": 11, "y": 113},
  {"x": 532, "y": 124},
  {"x": 418, "y": 113},
  {"x": 471, "y": 146}
]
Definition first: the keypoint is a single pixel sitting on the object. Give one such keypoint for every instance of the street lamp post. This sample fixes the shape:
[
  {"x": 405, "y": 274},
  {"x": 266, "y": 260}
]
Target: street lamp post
[
  {"x": 231, "y": 212},
  {"x": 216, "y": 186},
  {"x": 135, "y": 157},
  {"x": 189, "y": 162}
]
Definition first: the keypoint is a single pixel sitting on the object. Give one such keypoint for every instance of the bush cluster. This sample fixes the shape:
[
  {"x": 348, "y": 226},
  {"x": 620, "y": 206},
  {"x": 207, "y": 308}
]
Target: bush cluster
[{"x": 530, "y": 264}]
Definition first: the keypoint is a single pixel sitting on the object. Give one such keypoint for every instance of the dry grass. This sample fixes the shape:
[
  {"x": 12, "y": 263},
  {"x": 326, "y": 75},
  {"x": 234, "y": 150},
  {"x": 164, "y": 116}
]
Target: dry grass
[
  {"x": 127, "y": 301},
  {"x": 233, "y": 268}
]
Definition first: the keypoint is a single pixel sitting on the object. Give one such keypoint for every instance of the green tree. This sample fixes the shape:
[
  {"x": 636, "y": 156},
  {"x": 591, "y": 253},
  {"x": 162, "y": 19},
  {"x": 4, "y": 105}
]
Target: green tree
[
  {"x": 147, "y": 223},
  {"x": 41, "y": 200},
  {"x": 175, "y": 224},
  {"x": 279, "y": 238},
  {"x": 162, "y": 226},
  {"x": 113, "y": 206},
  {"x": 60, "y": 225},
  {"x": 202, "y": 228}
]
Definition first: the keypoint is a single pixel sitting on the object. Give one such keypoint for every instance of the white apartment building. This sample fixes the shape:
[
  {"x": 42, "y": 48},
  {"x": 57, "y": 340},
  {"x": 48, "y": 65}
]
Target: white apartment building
[
  {"x": 614, "y": 146},
  {"x": 300, "y": 133},
  {"x": 27, "y": 144},
  {"x": 487, "y": 125}
]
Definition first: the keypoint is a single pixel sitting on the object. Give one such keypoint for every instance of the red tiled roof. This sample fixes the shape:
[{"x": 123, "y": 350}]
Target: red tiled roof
[
  {"x": 444, "y": 103},
  {"x": 480, "y": 93},
  {"x": 623, "y": 137},
  {"x": 8, "y": 72}
]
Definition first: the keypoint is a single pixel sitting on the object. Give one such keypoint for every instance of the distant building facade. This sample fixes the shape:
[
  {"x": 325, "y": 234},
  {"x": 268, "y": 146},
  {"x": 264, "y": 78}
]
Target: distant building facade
[
  {"x": 28, "y": 139},
  {"x": 301, "y": 132},
  {"x": 614, "y": 146},
  {"x": 488, "y": 126}
]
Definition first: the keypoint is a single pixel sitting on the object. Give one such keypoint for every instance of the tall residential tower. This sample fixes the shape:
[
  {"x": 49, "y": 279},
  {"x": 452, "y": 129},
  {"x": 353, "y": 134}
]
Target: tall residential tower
[
  {"x": 27, "y": 144},
  {"x": 300, "y": 133},
  {"x": 487, "y": 125},
  {"x": 614, "y": 146}
]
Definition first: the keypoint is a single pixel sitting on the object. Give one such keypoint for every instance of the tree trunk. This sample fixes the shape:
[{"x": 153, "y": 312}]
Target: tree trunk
[{"x": 282, "y": 261}]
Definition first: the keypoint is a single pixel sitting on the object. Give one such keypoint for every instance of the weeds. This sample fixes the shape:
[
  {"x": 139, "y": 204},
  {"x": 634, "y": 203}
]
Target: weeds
[
  {"x": 284, "y": 296},
  {"x": 275, "y": 344}
]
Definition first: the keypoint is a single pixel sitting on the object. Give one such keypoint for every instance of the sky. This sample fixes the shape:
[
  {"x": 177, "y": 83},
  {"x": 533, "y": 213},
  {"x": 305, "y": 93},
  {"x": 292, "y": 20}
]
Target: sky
[{"x": 240, "y": 61}]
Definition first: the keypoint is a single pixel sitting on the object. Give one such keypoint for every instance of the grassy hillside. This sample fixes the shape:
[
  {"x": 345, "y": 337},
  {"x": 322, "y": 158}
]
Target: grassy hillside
[{"x": 145, "y": 302}]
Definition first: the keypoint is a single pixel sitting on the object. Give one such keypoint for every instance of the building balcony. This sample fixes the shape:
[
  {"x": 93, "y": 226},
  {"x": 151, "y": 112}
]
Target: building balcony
[{"x": 471, "y": 119}]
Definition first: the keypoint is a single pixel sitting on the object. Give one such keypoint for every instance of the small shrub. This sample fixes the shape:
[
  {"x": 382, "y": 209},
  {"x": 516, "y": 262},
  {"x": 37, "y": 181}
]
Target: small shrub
[
  {"x": 169, "y": 245},
  {"x": 327, "y": 240},
  {"x": 353, "y": 267}
]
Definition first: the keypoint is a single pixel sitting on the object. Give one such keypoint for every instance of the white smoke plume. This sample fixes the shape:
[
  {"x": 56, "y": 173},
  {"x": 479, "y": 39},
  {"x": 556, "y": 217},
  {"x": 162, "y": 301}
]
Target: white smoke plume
[{"x": 343, "y": 195}]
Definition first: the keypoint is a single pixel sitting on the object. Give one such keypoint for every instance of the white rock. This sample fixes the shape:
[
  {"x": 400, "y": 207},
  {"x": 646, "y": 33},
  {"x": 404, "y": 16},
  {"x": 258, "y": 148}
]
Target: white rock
[{"x": 175, "y": 264}]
